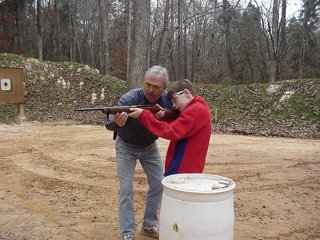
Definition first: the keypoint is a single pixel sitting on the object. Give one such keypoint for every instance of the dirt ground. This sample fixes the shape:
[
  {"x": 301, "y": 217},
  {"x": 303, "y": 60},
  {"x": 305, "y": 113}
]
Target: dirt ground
[{"x": 58, "y": 181}]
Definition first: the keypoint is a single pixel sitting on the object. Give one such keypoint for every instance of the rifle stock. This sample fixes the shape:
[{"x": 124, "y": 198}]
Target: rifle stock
[{"x": 170, "y": 114}]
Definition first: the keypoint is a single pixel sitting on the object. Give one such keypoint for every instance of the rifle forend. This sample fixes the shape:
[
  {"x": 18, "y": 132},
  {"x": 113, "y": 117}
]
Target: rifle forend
[{"x": 170, "y": 114}]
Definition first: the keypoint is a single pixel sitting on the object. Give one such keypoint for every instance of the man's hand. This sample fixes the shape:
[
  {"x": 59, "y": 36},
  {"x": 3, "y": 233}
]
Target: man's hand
[{"x": 120, "y": 119}]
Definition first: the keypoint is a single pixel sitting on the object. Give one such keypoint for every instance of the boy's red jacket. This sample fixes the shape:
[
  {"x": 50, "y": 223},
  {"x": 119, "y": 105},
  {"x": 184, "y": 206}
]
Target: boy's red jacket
[{"x": 189, "y": 134}]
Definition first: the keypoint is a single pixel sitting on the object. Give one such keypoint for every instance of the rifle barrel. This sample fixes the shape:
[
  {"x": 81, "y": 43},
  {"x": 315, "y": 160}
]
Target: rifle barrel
[
  {"x": 170, "y": 113},
  {"x": 89, "y": 109}
]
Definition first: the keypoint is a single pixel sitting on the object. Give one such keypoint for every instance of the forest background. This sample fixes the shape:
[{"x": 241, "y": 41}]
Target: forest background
[
  {"x": 243, "y": 59},
  {"x": 257, "y": 69},
  {"x": 204, "y": 41}
]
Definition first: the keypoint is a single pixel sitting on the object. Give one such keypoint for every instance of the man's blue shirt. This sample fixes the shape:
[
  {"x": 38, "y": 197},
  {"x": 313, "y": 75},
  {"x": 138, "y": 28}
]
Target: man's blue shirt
[{"x": 133, "y": 132}]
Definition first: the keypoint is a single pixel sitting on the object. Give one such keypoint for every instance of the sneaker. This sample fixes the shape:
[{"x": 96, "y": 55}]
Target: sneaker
[
  {"x": 150, "y": 232},
  {"x": 127, "y": 237}
]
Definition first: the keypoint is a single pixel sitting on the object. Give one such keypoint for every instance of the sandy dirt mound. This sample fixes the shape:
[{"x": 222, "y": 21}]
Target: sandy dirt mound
[{"x": 58, "y": 181}]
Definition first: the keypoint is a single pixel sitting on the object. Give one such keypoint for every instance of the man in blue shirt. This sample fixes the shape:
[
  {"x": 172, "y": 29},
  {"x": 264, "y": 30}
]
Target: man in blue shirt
[{"x": 134, "y": 142}]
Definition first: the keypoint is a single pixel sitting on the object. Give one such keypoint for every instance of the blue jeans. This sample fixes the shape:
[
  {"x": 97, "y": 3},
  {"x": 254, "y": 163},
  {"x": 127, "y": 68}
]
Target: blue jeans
[{"x": 150, "y": 159}]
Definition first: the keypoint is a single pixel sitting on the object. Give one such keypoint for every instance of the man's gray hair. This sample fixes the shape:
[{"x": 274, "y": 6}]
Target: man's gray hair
[{"x": 159, "y": 70}]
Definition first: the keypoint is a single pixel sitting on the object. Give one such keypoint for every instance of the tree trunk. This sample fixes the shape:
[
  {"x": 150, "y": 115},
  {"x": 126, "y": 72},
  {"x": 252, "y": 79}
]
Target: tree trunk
[
  {"x": 163, "y": 33},
  {"x": 185, "y": 54},
  {"x": 39, "y": 30},
  {"x": 139, "y": 43},
  {"x": 227, "y": 25},
  {"x": 307, "y": 8},
  {"x": 129, "y": 36},
  {"x": 21, "y": 22},
  {"x": 77, "y": 48},
  {"x": 56, "y": 34},
  {"x": 173, "y": 71},
  {"x": 106, "y": 37},
  {"x": 71, "y": 26},
  {"x": 283, "y": 41},
  {"x": 101, "y": 46},
  {"x": 274, "y": 41},
  {"x": 179, "y": 50}
]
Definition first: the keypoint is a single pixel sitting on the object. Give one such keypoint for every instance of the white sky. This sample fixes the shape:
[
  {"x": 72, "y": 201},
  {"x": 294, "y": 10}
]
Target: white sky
[{"x": 293, "y": 6}]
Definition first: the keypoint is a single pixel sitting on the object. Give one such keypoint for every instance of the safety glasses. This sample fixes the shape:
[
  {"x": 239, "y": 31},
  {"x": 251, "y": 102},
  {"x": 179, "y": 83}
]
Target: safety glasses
[
  {"x": 177, "y": 94},
  {"x": 154, "y": 87}
]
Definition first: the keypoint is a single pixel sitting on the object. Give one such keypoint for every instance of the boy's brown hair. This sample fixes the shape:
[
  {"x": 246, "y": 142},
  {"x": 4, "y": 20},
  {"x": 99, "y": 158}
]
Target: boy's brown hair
[{"x": 178, "y": 86}]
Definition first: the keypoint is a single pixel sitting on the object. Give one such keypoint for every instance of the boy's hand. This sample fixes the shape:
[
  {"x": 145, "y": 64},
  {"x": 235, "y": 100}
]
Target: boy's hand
[
  {"x": 135, "y": 112},
  {"x": 159, "y": 114}
]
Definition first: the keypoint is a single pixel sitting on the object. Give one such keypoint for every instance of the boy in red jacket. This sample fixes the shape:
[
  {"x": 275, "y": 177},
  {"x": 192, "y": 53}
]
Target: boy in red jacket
[{"x": 189, "y": 134}]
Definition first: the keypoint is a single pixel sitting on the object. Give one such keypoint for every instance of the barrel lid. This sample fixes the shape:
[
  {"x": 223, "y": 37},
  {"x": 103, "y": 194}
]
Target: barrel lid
[{"x": 198, "y": 183}]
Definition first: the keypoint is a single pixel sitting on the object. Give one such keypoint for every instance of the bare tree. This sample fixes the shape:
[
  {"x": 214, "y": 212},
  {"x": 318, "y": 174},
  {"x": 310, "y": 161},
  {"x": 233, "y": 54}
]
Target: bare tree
[
  {"x": 307, "y": 10},
  {"x": 162, "y": 35},
  {"x": 39, "y": 30},
  {"x": 172, "y": 68},
  {"x": 179, "y": 37},
  {"x": 227, "y": 32},
  {"x": 56, "y": 40},
  {"x": 213, "y": 76},
  {"x": 274, "y": 41},
  {"x": 129, "y": 36},
  {"x": 101, "y": 51},
  {"x": 106, "y": 33},
  {"x": 71, "y": 25},
  {"x": 21, "y": 22},
  {"x": 283, "y": 40},
  {"x": 139, "y": 43}
]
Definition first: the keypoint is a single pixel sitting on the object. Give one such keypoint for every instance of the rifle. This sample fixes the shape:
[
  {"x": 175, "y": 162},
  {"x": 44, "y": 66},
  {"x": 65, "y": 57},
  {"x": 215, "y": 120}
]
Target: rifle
[{"x": 169, "y": 113}]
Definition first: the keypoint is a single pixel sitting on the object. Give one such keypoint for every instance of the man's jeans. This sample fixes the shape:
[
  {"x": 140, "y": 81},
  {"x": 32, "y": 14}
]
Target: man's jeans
[{"x": 150, "y": 159}]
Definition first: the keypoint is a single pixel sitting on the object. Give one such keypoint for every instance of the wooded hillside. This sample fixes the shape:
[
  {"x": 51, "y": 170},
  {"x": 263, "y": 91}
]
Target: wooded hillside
[{"x": 54, "y": 89}]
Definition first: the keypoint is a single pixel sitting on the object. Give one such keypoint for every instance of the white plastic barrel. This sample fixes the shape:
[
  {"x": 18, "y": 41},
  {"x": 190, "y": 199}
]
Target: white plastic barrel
[{"x": 197, "y": 207}]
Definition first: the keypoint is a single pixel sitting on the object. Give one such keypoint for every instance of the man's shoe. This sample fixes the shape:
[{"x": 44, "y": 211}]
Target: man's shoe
[
  {"x": 128, "y": 237},
  {"x": 150, "y": 232}
]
